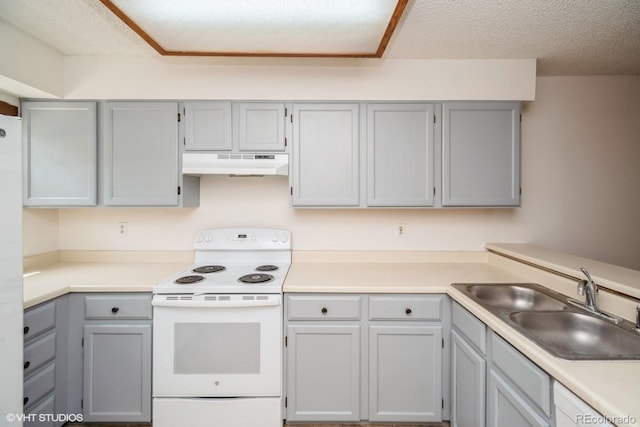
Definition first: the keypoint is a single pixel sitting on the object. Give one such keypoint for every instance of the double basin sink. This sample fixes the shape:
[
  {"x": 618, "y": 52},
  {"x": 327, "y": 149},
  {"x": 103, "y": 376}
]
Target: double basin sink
[{"x": 557, "y": 323}]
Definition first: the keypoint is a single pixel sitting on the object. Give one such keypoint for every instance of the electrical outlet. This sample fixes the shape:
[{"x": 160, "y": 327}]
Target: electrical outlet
[
  {"x": 401, "y": 230},
  {"x": 122, "y": 229}
]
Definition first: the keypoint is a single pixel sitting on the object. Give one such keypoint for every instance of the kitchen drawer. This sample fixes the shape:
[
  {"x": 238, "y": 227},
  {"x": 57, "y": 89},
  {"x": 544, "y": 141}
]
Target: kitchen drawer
[
  {"x": 526, "y": 375},
  {"x": 323, "y": 307},
  {"x": 39, "y": 319},
  {"x": 39, "y": 385},
  {"x": 47, "y": 406},
  {"x": 39, "y": 352},
  {"x": 405, "y": 307},
  {"x": 117, "y": 306},
  {"x": 469, "y": 326}
]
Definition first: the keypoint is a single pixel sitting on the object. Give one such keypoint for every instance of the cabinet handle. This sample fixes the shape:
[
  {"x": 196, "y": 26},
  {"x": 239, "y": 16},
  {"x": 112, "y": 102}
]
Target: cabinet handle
[
  {"x": 324, "y": 310},
  {"x": 25, "y": 400},
  {"x": 407, "y": 311},
  {"x": 25, "y": 331},
  {"x": 27, "y": 364},
  {"x": 114, "y": 310}
]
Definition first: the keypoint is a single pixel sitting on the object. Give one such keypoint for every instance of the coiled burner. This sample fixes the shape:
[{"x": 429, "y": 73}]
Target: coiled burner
[
  {"x": 187, "y": 280},
  {"x": 256, "y": 278},
  {"x": 209, "y": 269},
  {"x": 267, "y": 267}
]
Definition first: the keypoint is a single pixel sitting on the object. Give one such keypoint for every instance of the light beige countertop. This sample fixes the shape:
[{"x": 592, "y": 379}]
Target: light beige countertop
[
  {"x": 58, "y": 274},
  {"x": 611, "y": 387}
]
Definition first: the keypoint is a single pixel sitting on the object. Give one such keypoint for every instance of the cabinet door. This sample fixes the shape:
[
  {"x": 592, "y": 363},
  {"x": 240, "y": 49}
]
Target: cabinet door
[
  {"x": 59, "y": 153},
  {"x": 325, "y": 155},
  {"x": 400, "y": 143},
  {"x": 405, "y": 373},
  {"x": 260, "y": 126},
  {"x": 207, "y": 126},
  {"x": 481, "y": 154},
  {"x": 323, "y": 373},
  {"x": 140, "y": 143},
  {"x": 117, "y": 373},
  {"x": 507, "y": 408},
  {"x": 468, "y": 370}
]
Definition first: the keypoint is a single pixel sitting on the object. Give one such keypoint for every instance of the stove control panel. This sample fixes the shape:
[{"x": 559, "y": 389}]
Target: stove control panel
[{"x": 242, "y": 239}]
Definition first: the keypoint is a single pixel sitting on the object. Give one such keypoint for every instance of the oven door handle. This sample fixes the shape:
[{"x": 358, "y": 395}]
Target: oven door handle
[{"x": 216, "y": 304}]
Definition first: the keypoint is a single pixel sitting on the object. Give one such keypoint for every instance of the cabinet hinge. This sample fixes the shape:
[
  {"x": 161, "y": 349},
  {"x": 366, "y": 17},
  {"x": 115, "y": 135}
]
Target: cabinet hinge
[
  {"x": 286, "y": 341},
  {"x": 434, "y": 118},
  {"x": 82, "y": 343},
  {"x": 442, "y": 342},
  {"x": 178, "y": 117},
  {"x": 434, "y": 191},
  {"x": 291, "y": 190},
  {"x": 184, "y": 141},
  {"x": 286, "y": 112},
  {"x": 442, "y": 403},
  {"x": 291, "y": 118},
  {"x": 285, "y": 141},
  {"x": 178, "y": 190},
  {"x": 286, "y": 402}
]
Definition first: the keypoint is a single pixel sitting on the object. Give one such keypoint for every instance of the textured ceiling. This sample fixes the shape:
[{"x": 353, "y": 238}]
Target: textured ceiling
[{"x": 568, "y": 37}]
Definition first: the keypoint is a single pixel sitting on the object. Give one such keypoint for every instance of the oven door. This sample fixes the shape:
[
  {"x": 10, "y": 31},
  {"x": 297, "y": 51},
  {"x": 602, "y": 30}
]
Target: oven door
[{"x": 218, "y": 346}]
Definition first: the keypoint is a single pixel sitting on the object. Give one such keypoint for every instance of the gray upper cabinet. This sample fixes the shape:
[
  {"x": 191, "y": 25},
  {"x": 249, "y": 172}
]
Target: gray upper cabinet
[
  {"x": 141, "y": 154},
  {"x": 207, "y": 126},
  {"x": 481, "y": 154},
  {"x": 400, "y": 154},
  {"x": 259, "y": 126},
  {"x": 59, "y": 153},
  {"x": 325, "y": 155}
]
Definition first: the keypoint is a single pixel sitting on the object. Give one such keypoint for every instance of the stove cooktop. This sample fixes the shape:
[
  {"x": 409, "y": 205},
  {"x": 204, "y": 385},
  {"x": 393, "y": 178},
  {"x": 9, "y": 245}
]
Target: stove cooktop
[{"x": 233, "y": 278}]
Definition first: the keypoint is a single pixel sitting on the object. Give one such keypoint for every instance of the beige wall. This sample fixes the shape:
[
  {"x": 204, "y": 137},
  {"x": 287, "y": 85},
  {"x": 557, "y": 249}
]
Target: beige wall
[{"x": 580, "y": 157}]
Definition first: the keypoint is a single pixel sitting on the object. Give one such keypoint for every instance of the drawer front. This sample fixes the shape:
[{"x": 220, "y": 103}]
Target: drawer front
[
  {"x": 39, "y": 352},
  {"x": 117, "y": 306},
  {"x": 321, "y": 307},
  {"x": 46, "y": 407},
  {"x": 526, "y": 375},
  {"x": 39, "y": 385},
  {"x": 469, "y": 326},
  {"x": 405, "y": 307},
  {"x": 39, "y": 319}
]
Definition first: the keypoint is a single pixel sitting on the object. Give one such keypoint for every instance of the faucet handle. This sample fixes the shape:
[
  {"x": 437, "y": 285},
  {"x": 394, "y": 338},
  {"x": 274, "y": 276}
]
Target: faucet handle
[
  {"x": 582, "y": 284},
  {"x": 586, "y": 273}
]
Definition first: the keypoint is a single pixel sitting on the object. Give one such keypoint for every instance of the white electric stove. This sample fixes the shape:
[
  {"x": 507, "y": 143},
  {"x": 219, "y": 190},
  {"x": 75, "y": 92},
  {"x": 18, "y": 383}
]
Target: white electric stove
[{"x": 217, "y": 332}]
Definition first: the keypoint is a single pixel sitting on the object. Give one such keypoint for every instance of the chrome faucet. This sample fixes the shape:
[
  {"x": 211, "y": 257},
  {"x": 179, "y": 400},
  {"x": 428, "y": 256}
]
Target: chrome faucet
[{"x": 589, "y": 289}]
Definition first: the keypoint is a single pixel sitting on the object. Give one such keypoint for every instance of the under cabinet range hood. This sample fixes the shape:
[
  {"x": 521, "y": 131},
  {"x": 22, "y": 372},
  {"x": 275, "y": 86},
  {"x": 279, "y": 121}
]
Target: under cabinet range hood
[{"x": 235, "y": 164}]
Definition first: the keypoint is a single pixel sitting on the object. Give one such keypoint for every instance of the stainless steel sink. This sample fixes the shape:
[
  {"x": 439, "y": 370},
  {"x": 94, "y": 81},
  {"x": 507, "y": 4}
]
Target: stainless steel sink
[
  {"x": 558, "y": 325},
  {"x": 527, "y": 296},
  {"x": 578, "y": 336}
]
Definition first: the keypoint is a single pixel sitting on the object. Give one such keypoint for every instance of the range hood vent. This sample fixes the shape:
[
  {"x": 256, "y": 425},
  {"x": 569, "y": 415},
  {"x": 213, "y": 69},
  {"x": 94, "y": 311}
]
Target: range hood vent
[{"x": 235, "y": 164}]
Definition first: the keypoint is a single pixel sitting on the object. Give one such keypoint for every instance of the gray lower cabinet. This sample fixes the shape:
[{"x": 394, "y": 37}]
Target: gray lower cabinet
[
  {"x": 117, "y": 358},
  {"x": 481, "y": 154},
  {"x": 141, "y": 156},
  {"x": 44, "y": 363},
  {"x": 518, "y": 392},
  {"x": 364, "y": 357},
  {"x": 60, "y": 163},
  {"x": 323, "y": 372},
  {"x": 468, "y": 373}
]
